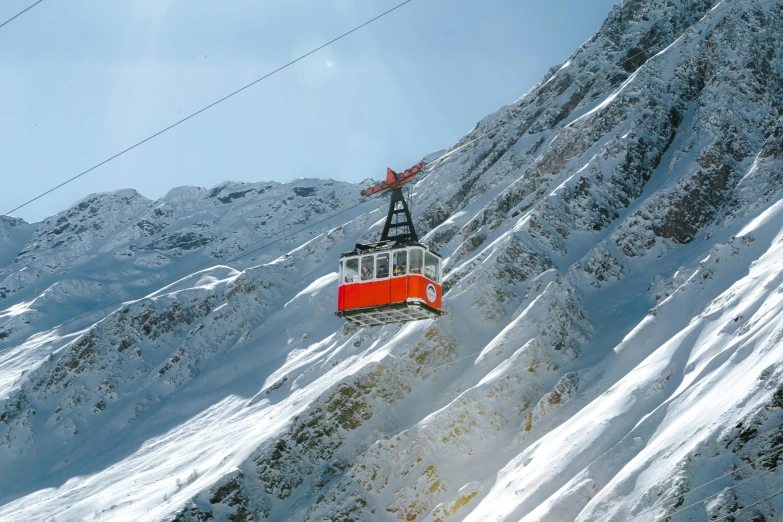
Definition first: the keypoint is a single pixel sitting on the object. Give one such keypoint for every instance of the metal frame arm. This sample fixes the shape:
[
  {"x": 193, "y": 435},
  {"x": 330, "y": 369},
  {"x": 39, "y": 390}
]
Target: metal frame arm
[{"x": 399, "y": 224}]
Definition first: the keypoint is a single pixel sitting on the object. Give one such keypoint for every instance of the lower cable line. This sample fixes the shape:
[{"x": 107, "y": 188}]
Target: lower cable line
[
  {"x": 705, "y": 499},
  {"x": 731, "y": 515},
  {"x": 728, "y": 473}
]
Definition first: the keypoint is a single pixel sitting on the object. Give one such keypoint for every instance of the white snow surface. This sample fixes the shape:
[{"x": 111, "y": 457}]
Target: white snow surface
[{"x": 613, "y": 337}]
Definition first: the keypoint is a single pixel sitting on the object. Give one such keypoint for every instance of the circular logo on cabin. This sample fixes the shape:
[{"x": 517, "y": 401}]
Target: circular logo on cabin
[{"x": 431, "y": 293}]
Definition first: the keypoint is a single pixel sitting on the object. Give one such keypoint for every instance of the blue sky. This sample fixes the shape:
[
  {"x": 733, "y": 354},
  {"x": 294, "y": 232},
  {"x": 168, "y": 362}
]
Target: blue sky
[{"x": 83, "y": 80}]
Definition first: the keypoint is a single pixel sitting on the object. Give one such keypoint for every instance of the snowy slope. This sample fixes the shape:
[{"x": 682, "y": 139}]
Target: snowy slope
[{"x": 614, "y": 246}]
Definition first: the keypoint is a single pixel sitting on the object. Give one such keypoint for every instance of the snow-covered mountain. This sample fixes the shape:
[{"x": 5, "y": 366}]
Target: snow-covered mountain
[{"x": 614, "y": 248}]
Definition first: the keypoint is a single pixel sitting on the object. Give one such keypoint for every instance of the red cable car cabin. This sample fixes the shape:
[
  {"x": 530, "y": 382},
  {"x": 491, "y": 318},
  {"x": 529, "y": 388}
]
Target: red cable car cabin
[
  {"x": 381, "y": 283},
  {"x": 390, "y": 285}
]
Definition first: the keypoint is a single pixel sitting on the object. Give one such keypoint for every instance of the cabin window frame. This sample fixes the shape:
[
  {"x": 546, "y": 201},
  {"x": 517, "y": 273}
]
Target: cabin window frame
[
  {"x": 362, "y": 260},
  {"x": 378, "y": 265},
  {"x": 396, "y": 253},
  {"x": 415, "y": 251},
  {"x": 355, "y": 278},
  {"x": 436, "y": 267}
]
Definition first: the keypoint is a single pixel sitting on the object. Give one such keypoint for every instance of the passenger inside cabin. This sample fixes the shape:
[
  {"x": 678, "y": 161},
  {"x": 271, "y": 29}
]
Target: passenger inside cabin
[
  {"x": 400, "y": 263},
  {"x": 382, "y": 266},
  {"x": 366, "y": 273}
]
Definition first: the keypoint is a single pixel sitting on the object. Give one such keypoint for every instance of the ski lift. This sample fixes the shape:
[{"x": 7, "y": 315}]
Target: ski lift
[{"x": 397, "y": 279}]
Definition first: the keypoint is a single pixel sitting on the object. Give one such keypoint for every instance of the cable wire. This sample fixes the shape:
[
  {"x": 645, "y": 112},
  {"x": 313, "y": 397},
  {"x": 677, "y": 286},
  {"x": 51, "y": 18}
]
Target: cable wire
[
  {"x": 705, "y": 499},
  {"x": 186, "y": 118},
  {"x": 748, "y": 507},
  {"x": 728, "y": 473},
  {"x": 20, "y": 13}
]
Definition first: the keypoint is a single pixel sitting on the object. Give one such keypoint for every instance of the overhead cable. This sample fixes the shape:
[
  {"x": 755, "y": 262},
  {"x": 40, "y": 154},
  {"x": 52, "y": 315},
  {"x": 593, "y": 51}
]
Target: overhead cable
[
  {"x": 192, "y": 115},
  {"x": 20, "y": 13}
]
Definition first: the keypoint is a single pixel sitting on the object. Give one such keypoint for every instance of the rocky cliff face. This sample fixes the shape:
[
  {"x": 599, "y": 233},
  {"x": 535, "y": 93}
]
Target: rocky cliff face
[{"x": 614, "y": 273}]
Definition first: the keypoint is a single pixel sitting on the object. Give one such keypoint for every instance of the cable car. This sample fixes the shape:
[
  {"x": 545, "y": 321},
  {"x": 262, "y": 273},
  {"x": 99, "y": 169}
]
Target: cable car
[{"x": 397, "y": 279}]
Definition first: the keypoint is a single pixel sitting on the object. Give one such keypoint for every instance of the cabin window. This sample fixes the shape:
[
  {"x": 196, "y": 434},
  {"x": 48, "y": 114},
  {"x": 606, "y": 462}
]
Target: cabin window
[
  {"x": 401, "y": 263},
  {"x": 367, "y": 267},
  {"x": 340, "y": 274},
  {"x": 416, "y": 260},
  {"x": 352, "y": 270},
  {"x": 382, "y": 266},
  {"x": 432, "y": 267}
]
